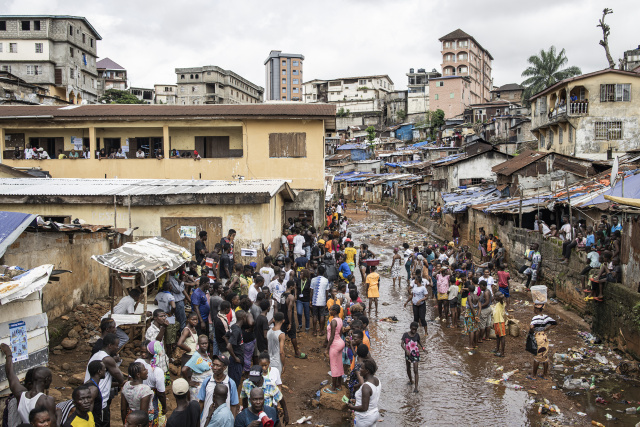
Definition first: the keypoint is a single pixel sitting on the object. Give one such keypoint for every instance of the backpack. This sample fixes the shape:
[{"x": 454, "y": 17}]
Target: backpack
[{"x": 330, "y": 269}]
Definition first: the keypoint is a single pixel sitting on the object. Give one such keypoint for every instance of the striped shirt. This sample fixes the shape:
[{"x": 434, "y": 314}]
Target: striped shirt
[{"x": 541, "y": 321}]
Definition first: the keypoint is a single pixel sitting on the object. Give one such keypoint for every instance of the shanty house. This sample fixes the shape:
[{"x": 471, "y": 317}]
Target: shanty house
[{"x": 467, "y": 169}]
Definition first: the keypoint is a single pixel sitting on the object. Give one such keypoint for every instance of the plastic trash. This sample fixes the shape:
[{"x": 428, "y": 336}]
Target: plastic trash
[
  {"x": 631, "y": 410},
  {"x": 571, "y": 383},
  {"x": 558, "y": 367},
  {"x": 582, "y": 414},
  {"x": 456, "y": 373},
  {"x": 539, "y": 294},
  {"x": 506, "y": 375},
  {"x": 324, "y": 383},
  {"x": 560, "y": 357},
  {"x": 601, "y": 359}
]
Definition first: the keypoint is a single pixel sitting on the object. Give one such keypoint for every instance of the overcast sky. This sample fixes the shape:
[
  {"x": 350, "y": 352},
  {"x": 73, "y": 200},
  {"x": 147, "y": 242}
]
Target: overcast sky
[{"x": 340, "y": 38}]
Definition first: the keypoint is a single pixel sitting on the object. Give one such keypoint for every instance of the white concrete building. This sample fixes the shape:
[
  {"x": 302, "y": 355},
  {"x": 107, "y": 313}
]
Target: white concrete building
[
  {"x": 166, "y": 93},
  {"x": 356, "y": 94},
  {"x": 418, "y": 93}
]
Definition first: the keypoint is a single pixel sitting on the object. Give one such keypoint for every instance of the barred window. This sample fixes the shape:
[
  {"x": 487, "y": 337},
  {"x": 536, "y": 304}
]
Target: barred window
[
  {"x": 615, "y": 92},
  {"x": 608, "y": 130},
  {"x": 550, "y": 136},
  {"x": 560, "y": 132},
  {"x": 541, "y": 140},
  {"x": 570, "y": 134}
]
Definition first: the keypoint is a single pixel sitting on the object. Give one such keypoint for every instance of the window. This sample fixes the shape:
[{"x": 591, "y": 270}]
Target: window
[
  {"x": 295, "y": 63},
  {"x": 570, "y": 134},
  {"x": 13, "y": 47},
  {"x": 437, "y": 97},
  {"x": 284, "y": 90},
  {"x": 284, "y": 81},
  {"x": 288, "y": 144},
  {"x": 296, "y": 90},
  {"x": 70, "y": 30},
  {"x": 362, "y": 82},
  {"x": 294, "y": 72},
  {"x": 615, "y": 93},
  {"x": 197, "y": 76},
  {"x": 0, "y": 47},
  {"x": 72, "y": 73},
  {"x": 284, "y": 62},
  {"x": 284, "y": 98},
  {"x": 541, "y": 140},
  {"x": 6, "y": 68},
  {"x": 39, "y": 48},
  {"x": 181, "y": 76},
  {"x": 34, "y": 70},
  {"x": 542, "y": 106},
  {"x": 560, "y": 134},
  {"x": 26, "y": 25},
  {"x": 215, "y": 147},
  {"x": 447, "y": 44},
  {"x": 550, "y": 137},
  {"x": 36, "y": 25},
  {"x": 181, "y": 89},
  {"x": 71, "y": 52},
  {"x": 452, "y": 95},
  {"x": 608, "y": 130},
  {"x": 296, "y": 81},
  {"x": 284, "y": 72},
  {"x": 91, "y": 41},
  {"x": 476, "y": 181},
  {"x": 3, "y": 25},
  {"x": 191, "y": 76}
]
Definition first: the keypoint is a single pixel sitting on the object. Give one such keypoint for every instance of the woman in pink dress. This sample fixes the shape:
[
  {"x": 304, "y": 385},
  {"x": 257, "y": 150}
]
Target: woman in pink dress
[{"x": 334, "y": 349}]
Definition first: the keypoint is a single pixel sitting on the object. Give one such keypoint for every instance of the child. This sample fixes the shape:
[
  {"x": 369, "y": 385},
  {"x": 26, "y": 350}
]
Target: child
[
  {"x": 453, "y": 302},
  {"x": 411, "y": 344},
  {"x": 601, "y": 277},
  {"x": 503, "y": 283},
  {"x": 373, "y": 293},
  {"x": 593, "y": 262},
  {"x": 499, "y": 318},
  {"x": 442, "y": 284}
]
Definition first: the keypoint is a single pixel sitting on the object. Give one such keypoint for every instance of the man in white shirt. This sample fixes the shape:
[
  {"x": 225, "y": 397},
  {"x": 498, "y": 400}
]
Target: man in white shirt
[
  {"x": 566, "y": 228},
  {"x": 267, "y": 269},
  {"x": 42, "y": 154},
  {"x": 319, "y": 287},
  {"x": 28, "y": 152},
  {"x": 139, "y": 154},
  {"x": 277, "y": 287},
  {"x": 298, "y": 241},
  {"x": 120, "y": 154},
  {"x": 86, "y": 153},
  {"x": 127, "y": 305}
]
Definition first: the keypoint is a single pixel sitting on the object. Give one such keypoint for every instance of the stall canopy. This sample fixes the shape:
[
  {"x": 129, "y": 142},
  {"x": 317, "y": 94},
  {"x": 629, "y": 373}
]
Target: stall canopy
[
  {"x": 24, "y": 284},
  {"x": 150, "y": 257},
  {"x": 12, "y": 224}
]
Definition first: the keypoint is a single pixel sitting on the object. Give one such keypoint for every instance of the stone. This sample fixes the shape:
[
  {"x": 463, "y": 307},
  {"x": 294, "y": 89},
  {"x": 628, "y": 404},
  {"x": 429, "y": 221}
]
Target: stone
[
  {"x": 332, "y": 401},
  {"x": 65, "y": 317},
  {"x": 55, "y": 394},
  {"x": 76, "y": 379},
  {"x": 66, "y": 367},
  {"x": 69, "y": 343},
  {"x": 58, "y": 347},
  {"x": 77, "y": 328},
  {"x": 73, "y": 334},
  {"x": 57, "y": 352}
]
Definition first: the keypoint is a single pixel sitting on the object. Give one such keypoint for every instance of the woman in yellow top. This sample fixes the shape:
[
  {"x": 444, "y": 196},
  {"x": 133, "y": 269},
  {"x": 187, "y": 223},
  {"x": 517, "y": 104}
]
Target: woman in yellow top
[
  {"x": 334, "y": 300},
  {"x": 350, "y": 252},
  {"x": 373, "y": 280}
]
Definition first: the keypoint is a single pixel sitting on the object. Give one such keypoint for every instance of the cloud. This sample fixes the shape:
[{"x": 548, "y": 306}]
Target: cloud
[{"x": 339, "y": 38}]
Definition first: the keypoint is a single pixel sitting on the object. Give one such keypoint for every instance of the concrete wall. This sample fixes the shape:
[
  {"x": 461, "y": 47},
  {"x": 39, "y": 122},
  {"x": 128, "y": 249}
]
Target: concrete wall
[{"x": 71, "y": 251}]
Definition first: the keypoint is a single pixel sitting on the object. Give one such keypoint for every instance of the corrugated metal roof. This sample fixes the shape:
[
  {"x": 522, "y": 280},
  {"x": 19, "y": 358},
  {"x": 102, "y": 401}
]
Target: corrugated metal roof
[
  {"x": 108, "y": 64},
  {"x": 133, "y": 187},
  {"x": 12, "y": 224},
  {"x": 518, "y": 162},
  {"x": 121, "y": 111}
]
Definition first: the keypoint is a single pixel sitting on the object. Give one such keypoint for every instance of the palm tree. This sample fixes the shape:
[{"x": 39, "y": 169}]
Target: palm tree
[{"x": 546, "y": 69}]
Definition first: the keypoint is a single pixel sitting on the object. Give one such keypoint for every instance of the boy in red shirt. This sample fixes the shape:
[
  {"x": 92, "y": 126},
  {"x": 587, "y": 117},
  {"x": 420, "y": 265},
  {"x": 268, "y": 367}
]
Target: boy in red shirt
[{"x": 503, "y": 283}]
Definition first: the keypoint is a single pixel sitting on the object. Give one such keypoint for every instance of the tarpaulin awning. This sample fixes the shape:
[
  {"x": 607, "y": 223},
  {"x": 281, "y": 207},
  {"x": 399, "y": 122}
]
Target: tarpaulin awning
[
  {"x": 25, "y": 284},
  {"x": 150, "y": 257},
  {"x": 460, "y": 200},
  {"x": 12, "y": 224},
  {"x": 624, "y": 201}
]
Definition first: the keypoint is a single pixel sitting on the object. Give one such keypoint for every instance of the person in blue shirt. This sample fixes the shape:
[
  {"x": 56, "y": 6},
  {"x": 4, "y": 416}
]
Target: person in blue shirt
[
  {"x": 207, "y": 389},
  {"x": 591, "y": 238},
  {"x": 344, "y": 271},
  {"x": 200, "y": 303},
  {"x": 615, "y": 225}
]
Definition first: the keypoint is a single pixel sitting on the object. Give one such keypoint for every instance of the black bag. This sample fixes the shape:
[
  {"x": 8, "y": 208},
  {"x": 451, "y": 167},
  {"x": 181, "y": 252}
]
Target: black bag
[
  {"x": 522, "y": 269},
  {"x": 532, "y": 344}
]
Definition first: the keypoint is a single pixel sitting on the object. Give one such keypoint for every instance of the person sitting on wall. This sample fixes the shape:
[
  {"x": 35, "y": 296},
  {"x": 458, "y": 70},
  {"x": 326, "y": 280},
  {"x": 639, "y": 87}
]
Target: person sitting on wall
[
  {"x": 120, "y": 154},
  {"x": 73, "y": 154},
  {"x": 140, "y": 154},
  {"x": 17, "y": 153},
  {"x": 61, "y": 154},
  {"x": 159, "y": 154},
  {"x": 86, "y": 153}
]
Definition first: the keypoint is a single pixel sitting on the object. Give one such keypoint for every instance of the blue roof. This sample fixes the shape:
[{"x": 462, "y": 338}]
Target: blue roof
[
  {"x": 459, "y": 201},
  {"x": 352, "y": 146},
  {"x": 399, "y": 164},
  {"x": 12, "y": 224},
  {"x": 447, "y": 159},
  {"x": 421, "y": 144},
  {"x": 631, "y": 190}
]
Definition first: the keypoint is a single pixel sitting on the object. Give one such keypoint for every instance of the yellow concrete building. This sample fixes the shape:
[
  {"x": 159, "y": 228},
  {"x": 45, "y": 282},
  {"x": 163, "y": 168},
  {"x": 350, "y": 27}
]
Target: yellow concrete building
[
  {"x": 202, "y": 142},
  {"x": 592, "y": 116},
  {"x": 174, "y": 209}
]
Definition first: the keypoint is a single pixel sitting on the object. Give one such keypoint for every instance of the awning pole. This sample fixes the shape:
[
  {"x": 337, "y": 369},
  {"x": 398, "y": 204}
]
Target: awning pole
[
  {"x": 144, "y": 314},
  {"x": 115, "y": 213},
  {"x": 566, "y": 183},
  {"x": 520, "y": 214}
]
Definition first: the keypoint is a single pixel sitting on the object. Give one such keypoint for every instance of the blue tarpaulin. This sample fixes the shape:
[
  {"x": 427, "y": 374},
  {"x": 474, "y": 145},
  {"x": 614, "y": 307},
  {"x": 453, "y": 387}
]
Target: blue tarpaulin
[
  {"x": 631, "y": 190},
  {"x": 12, "y": 224},
  {"x": 459, "y": 201},
  {"x": 399, "y": 164}
]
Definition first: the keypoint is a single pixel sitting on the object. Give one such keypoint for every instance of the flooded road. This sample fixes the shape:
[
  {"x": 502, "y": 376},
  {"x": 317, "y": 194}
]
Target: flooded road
[{"x": 444, "y": 398}]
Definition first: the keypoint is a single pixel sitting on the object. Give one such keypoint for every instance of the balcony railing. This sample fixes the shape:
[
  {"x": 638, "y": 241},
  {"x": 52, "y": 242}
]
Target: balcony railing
[{"x": 578, "y": 107}]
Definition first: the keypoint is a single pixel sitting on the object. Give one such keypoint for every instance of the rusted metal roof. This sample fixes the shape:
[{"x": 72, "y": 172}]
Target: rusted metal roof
[
  {"x": 139, "y": 111},
  {"x": 518, "y": 162},
  {"x": 570, "y": 164}
]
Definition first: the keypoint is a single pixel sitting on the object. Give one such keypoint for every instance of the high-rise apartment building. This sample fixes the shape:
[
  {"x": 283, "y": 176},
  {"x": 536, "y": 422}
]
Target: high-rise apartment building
[
  {"x": 283, "y": 76},
  {"x": 214, "y": 85},
  {"x": 56, "y": 52},
  {"x": 463, "y": 56}
]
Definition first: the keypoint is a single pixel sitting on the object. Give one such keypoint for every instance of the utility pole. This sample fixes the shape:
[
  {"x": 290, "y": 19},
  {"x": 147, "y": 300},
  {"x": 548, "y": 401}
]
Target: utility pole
[{"x": 566, "y": 184}]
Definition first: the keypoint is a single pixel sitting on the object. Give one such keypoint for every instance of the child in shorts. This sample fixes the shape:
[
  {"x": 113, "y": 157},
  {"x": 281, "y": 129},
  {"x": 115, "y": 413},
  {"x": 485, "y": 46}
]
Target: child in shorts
[
  {"x": 453, "y": 302},
  {"x": 499, "y": 324},
  {"x": 503, "y": 284}
]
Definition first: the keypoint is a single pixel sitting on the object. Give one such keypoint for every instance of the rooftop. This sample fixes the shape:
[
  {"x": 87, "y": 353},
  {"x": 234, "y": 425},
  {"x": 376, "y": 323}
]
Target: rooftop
[
  {"x": 459, "y": 34},
  {"x": 279, "y": 54},
  {"x": 583, "y": 76},
  {"x": 580, "y": 167},
  {"x": 508, "y": 86},
  {"x": 108, "y": 64},
  {"x": 140, "y": 111},
  {"x": 81, "y": 18},
  {"x": 137, "y": 187}
]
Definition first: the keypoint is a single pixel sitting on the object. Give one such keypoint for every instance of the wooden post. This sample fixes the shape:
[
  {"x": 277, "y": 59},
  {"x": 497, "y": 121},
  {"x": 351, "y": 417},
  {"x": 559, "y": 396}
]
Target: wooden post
[
  {"x": 144, "y": 313},
  {"x": 129, "y": 210},
  {"x": 520, "y": 213},
  {"x": 115, "y": 212},
  {"x": 566, "y": 184}
]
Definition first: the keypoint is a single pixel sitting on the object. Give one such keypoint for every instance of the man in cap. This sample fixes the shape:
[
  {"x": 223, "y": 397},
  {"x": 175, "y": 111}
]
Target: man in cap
[
  {"x": 272, "y": 394},
  {"x": 187, "y": 413},
  {"x": 218, "y": 365}
]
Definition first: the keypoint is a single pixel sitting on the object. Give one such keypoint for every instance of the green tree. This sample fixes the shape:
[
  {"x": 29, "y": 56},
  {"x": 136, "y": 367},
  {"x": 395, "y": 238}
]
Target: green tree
[
  {"x": 546, "y": 69},
  {"x": 401, "y": 115},
  {"x": 342, "y": 112},
  {"x": 116, "y": 96},
  {"x": 437, "y": 118},
  {"x": 371, "y": 134}
]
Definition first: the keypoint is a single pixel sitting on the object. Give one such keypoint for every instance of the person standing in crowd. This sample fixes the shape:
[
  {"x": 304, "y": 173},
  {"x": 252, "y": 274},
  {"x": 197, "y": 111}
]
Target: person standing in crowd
[
  {"x": 234, "y": 347},
  {"x": 275, "y": 342},
  {"x": 319, "y": 288},
  {"x": 206, "y": 394},
  {"x": 136, "y": 395},
  {"x": 187, "y": 411},
  {"x": 198, "y": 367},
  {"x": 257, "y": 413},
  {"x": 372, "y": 288},
  {"x": 109, "y": 351},
  {"x": 540, "y": 324},
  {"x": 335, "y": 345},
  {"x": 532, "y": 271},
  {"x": 200, "y": 304},
  {"x": 177, "y": 288},
  {"x": 456, "y": 232},
  {"x": 486, "y": 319},
  {"x": 499, "y": 324},
  {"x": 273, "y": 397},
  {"x": 28, "y": 399},
  {"x": 303, "y": 292},
  {"x": 367, "y": 396},
  {"x": 472, "y": 316},
  {"x": 82, "y": 402},
  {"x": 107, "y": 326},
  {"x": 226, "y": 266},
  {"x": 418, "y": 295},
  {"x": 155, "y": 378},
  {"x": 221, "y": 415},
  {"x": 411, "y": 345},
  {"x": 97, "y": 372},
  {"x": 503, "y": 284},
  {"x": 396, "y": 267},
  {"x": 201, "y": 247},
  {"x": 229, "y": 240}
]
